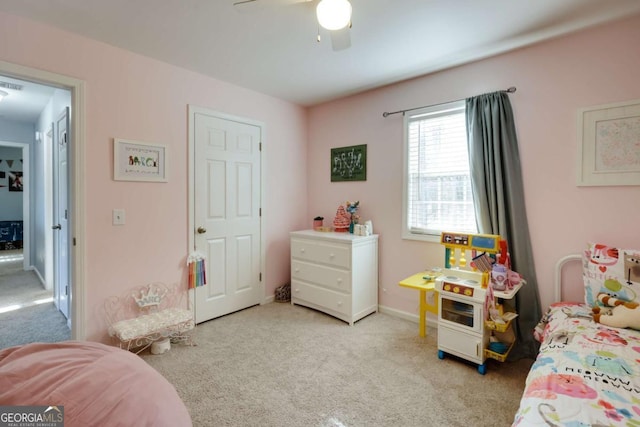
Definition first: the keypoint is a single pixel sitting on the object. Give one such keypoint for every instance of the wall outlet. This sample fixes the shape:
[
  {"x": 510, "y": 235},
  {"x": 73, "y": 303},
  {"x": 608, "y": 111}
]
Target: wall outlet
[{"x": 118, "y": 217}]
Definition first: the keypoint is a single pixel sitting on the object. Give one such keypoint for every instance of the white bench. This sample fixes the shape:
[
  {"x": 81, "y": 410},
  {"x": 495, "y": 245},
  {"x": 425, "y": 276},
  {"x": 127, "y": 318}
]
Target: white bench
[{"x": 148, "y": 314}]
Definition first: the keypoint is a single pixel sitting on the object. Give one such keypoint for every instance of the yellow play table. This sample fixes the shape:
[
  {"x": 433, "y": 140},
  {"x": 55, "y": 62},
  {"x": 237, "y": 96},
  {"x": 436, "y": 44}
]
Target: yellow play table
[{"x": 418, "y": 281}]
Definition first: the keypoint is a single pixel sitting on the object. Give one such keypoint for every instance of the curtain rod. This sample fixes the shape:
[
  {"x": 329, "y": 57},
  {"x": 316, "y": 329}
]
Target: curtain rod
[{"x": 386, "y": 114}]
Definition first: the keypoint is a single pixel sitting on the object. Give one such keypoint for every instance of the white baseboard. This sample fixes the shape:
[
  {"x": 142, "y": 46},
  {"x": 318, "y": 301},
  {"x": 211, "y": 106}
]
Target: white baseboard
[
  {"x": 431, "y": 321},
  {"x": 39, "y": 276},
  {"x": 267, "y": 300},
  {"x": 411, "y": 317}
]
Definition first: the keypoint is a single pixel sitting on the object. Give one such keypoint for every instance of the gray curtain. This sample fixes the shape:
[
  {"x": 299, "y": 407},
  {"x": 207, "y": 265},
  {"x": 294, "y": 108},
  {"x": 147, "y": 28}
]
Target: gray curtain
[{"x": 496, "y": 182}]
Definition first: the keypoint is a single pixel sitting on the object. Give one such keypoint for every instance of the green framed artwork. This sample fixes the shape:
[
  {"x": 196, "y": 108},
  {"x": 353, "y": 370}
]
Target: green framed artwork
[{"x": 349, "y": 163}]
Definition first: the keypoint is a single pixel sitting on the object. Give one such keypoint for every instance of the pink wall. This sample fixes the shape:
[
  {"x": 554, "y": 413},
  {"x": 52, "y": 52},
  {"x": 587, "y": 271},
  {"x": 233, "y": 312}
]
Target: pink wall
[
  {"x": 554, "y": 79},
  {"x": 133, "y": 97}
]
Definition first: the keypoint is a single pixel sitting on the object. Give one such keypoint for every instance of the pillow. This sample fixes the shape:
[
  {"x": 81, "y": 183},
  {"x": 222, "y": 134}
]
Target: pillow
[{"x": 611, "y": 270}]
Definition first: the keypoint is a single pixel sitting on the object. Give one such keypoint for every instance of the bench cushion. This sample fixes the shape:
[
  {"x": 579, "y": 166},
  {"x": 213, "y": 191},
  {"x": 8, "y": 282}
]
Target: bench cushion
[{"x": 162, "y": 321}]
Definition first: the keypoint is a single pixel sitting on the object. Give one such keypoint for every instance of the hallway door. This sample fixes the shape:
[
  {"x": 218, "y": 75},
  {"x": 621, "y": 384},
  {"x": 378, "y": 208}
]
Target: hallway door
[{"x": 61, "y": 228}]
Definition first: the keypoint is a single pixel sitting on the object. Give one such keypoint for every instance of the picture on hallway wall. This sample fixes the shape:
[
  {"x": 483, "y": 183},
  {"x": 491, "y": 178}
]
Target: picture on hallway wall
[
  {"x": 15, "y": 181},
  {"x": 139, "y": 161},
  {"x": 349, "y": 163}
]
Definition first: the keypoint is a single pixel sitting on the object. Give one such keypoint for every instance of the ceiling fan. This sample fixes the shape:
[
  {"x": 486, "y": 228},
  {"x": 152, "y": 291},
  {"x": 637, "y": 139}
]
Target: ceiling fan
[{"x": 333, "y": 15}]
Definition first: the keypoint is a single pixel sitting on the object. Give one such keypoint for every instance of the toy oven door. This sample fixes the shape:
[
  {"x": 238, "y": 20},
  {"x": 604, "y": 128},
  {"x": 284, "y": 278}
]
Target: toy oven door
[{"x": 461, "y": 313}]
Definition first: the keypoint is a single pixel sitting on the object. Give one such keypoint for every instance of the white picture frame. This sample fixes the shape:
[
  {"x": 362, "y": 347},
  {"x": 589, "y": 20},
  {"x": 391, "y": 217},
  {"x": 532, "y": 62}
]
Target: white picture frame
[
  {"x": 609, "y": 144},
  {"x": 139, "y": 161}
]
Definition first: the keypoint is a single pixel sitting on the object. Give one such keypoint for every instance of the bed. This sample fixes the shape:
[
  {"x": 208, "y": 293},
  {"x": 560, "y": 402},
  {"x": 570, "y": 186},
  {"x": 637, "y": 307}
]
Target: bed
[
  {"x": 587, "y": 373},
  {"x": 90, "y": 384}
]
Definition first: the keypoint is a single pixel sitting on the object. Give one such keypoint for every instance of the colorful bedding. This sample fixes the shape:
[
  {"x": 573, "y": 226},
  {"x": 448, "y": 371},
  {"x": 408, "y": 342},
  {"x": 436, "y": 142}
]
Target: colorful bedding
[{"x": 586, "y": 374}]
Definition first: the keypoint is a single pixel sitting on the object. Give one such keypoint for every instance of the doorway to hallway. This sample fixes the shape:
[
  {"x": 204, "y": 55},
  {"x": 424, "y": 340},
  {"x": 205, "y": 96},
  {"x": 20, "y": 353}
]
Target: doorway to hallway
[{"x": 47, "y": 259}]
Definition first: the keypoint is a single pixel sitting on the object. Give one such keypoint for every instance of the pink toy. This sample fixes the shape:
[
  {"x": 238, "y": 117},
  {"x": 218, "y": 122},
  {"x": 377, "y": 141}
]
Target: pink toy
[
  {"x": 342, "y": 220},
  {"x": 499, "y": 277}
]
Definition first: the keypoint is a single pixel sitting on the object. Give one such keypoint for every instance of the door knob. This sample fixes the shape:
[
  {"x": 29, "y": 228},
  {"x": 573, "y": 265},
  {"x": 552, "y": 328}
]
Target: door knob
[
  {"x": 201, "y": 230},
  {"x": 56, "y": 227}
]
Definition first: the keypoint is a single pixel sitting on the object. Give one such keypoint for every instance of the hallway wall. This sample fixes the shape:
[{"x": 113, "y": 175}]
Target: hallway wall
[{"x": 42, "y": 238}]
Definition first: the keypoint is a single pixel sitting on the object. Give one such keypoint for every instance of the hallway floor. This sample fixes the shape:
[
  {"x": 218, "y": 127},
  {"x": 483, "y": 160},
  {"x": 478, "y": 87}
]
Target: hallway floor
[{"x": 27, "y": 311}]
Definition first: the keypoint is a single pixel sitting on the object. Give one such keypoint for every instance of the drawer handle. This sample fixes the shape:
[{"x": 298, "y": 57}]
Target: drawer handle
[
  {"x": 331, "y": 255},
  {"x": 302, "y": 250},
  {"x": 297, "y": 289},
  {"x": 339, "y": 280},
  {"x": 297, "y": 270},
  {"x": 339, "y": 303}
]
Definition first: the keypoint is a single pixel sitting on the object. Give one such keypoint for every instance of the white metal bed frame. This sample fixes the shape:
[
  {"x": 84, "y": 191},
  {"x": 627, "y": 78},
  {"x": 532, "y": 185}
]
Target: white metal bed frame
[{"x": 557, "y": 292}]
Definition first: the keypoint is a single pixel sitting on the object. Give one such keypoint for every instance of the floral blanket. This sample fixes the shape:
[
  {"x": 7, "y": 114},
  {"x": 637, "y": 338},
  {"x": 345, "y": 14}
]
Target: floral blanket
[{"x": 586, "y": 374}]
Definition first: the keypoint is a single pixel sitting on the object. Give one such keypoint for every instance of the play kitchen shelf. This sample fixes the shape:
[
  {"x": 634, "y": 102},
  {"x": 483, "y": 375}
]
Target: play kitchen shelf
[
  {"x": 465, "y": 296},
  {"x": 425, "y": 283}
]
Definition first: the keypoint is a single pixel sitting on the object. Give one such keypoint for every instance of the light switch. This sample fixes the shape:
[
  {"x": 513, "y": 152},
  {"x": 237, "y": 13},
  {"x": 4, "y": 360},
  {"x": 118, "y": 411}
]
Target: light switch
[{"x": 118, "y": 217}]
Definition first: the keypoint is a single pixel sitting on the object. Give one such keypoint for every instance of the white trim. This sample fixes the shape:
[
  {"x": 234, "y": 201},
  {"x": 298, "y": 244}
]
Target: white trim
[
  {"x": 437, "y": 110},
  {"x": 35, "y": 270},
  {"x": 76, "y": 177},
  {"x": 411, "y": 317},
  {"x": 26, "y": 199},
  {"x": 192, "y": 110},
  {"x": 557, "y": 291}
]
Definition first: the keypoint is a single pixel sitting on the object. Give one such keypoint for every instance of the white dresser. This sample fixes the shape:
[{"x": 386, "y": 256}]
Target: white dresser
[{"x": 336, "y": 273}]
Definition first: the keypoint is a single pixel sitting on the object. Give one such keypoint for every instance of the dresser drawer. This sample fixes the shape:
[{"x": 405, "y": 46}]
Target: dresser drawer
[
  {"x": 328, "y": 277},
  {"x": 320, "y": 298},
  {"x": 321, "y": 252}
]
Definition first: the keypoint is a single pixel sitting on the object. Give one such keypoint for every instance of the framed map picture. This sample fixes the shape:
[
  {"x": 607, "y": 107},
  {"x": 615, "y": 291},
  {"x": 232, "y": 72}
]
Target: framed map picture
[
  {"x": 609, "y": 144},
  {"x": 349, "y": 163}
]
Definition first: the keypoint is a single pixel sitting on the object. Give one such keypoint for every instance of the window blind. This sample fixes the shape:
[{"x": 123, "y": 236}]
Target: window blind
[{"x": 439, "y": 193}]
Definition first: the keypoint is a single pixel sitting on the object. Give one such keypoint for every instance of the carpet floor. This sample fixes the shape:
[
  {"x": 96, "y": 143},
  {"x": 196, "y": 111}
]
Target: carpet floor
[
  {"x": 284, "y": 365},
  {"x": 27, "y": 311}
]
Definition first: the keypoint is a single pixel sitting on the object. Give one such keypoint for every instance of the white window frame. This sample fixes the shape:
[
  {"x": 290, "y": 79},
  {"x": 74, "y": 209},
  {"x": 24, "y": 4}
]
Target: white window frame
[{"x": 406, "y": 232}]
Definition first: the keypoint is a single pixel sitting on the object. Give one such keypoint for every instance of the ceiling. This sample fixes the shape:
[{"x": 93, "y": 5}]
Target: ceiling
[
  {"x": 273, "y": 49},
  {"x": 25, "y": 100}
]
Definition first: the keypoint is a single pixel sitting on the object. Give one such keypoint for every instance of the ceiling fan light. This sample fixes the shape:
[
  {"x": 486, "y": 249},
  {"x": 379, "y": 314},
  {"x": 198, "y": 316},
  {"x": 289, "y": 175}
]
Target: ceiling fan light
[
  {"x": 334, "y": 14},
  {"x": 3, "y": 94}
]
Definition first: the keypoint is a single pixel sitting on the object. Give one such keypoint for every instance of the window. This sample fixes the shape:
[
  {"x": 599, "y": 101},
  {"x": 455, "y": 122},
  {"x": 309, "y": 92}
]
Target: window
[{"x": 437, "y": 189}]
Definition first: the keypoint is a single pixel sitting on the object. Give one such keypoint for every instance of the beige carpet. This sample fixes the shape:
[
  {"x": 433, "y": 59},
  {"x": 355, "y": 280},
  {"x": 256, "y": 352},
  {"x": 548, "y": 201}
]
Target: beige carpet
[
  {"x": 11, "y": 261},
  {"x": 283, "y": 365},
  {"x": 27, "y": 313}
]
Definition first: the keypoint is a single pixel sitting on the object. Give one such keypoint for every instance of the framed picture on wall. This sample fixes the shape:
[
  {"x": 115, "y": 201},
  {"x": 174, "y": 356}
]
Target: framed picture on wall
[
  {"x": 349, "y": 163},
  {"x": 15, "y": 181},
  {"x": 609, "y": 144},
  {"x": 139, "y": 161}
]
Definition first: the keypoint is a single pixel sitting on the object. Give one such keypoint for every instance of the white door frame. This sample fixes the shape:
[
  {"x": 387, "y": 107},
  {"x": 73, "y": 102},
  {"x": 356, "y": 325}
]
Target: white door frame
[
  {"x": 76, "y": 177},
  {"x": 26, "y": 198},
  {"x": 191, "y": 241}
]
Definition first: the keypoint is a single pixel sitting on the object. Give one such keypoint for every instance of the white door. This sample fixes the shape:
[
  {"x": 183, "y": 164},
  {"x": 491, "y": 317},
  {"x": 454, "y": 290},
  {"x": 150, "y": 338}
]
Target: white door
[
  {"x": 61, "y": 229},
  {"x": 227, "y": 181}
]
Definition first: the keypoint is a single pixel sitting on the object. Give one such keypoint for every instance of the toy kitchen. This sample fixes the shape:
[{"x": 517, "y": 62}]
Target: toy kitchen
[{"x": 471, "y": 321}]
